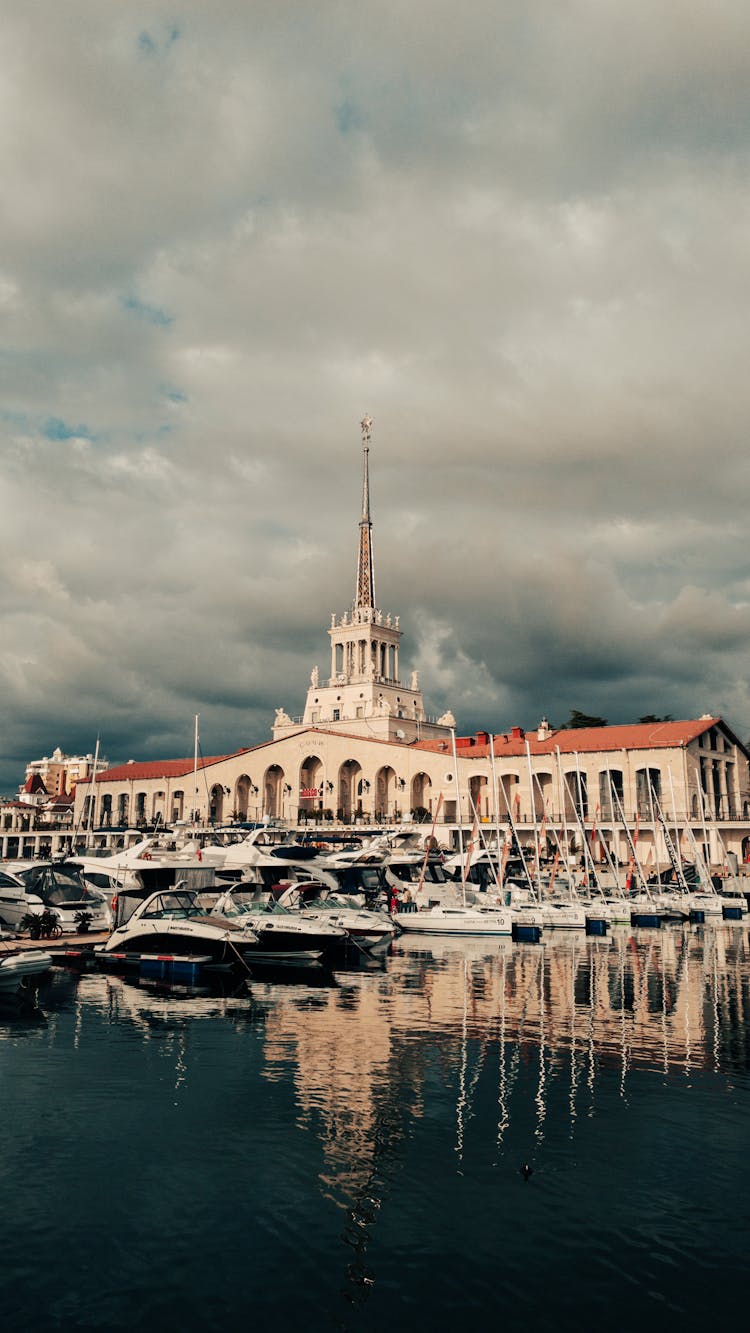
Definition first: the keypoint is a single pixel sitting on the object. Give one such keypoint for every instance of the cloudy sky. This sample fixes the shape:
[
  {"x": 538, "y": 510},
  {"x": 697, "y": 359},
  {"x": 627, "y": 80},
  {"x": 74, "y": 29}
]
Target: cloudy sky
[{"x": 517, "y": 234}]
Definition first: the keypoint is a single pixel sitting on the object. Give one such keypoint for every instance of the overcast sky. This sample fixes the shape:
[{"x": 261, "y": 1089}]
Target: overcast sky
[{"x": 516, "y": 234}]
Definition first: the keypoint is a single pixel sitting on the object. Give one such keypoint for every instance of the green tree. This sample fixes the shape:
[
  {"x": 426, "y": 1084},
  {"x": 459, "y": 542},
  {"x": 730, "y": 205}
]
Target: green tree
[{"x": 578, "y": 719}]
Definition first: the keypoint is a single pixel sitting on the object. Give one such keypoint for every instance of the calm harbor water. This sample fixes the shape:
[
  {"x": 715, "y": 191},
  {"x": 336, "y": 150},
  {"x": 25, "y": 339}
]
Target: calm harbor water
[{"x": 347, "y": 1156}]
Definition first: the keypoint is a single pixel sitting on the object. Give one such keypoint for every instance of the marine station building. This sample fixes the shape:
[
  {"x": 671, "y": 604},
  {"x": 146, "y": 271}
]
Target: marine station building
[{"x": 364, "y": 751}]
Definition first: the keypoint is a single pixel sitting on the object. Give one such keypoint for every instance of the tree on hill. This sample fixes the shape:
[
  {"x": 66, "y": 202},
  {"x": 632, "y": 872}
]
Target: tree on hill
[
  {"x": 651, "y": 717},
  {"x": 578, "y": 719}
]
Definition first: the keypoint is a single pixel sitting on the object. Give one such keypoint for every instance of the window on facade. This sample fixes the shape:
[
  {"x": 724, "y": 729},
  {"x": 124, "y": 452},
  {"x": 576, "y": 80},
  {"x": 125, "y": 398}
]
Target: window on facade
[
  {"x": 577, "y": 793},
  {"x": 337, "y": 714},
  {"x": 729, "y": 779},
  {"x": 647, "y": 790},
  {"x": 610, "y": 792}
]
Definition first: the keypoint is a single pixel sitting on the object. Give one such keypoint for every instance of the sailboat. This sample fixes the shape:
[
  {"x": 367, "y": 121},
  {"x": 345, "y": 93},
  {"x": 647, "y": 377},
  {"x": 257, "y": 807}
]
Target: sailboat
[{"x": 456, "y": 918}]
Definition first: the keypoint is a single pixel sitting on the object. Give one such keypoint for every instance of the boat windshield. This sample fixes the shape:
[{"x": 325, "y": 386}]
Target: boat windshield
[
  {"x": 175, "y": 905},
  {"x": 247, "y": 904},
  {"x": 57, "y": 885}
]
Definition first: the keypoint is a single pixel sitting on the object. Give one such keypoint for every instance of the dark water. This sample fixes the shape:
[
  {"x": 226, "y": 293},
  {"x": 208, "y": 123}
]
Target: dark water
[{"x": 347, "y": 1157}]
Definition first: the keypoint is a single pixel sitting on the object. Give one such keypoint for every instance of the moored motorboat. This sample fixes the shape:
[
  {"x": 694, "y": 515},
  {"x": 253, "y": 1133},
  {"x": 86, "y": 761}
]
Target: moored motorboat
[
  {"x": 29, "y": 888},
  {"x": 367, "y": 929},
  {"x": 17, "y": 968},
  {"x": 172, "y": 923},
  {"x": 276, "y": 933}
]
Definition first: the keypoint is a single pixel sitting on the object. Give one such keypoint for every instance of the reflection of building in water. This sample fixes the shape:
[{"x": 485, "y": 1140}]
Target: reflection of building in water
[
  {"x": 350, "y": 1068},
  {"x": 675, "y": 1000},
  {"x": 651, "y": 1000}
]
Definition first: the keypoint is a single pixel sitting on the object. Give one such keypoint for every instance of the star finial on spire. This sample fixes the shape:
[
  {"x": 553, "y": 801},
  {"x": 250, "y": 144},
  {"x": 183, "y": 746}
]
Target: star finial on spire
[{"x": 366, "y": 424}]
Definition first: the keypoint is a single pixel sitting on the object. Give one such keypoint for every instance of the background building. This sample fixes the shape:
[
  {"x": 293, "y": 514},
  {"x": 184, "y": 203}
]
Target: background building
[
  {"x": 61, "y": 772},
  {"x": 365, "y": 751}
]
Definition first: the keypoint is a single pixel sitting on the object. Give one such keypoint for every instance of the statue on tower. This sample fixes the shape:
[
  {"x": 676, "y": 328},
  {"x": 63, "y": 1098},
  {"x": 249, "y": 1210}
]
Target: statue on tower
[{"x": 314, "y": 677}]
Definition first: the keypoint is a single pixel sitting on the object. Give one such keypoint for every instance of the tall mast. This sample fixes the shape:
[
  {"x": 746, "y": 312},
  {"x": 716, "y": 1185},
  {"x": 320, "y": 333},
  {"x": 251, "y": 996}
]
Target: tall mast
[
  {"x": 364, "y": 595},
  {"x": 92, "y": 797},
  {"x": 195, "y": 773}
]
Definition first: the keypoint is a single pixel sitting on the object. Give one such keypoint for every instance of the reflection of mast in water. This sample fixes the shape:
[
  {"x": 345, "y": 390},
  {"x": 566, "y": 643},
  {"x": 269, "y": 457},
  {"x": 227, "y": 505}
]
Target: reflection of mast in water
[
  {"x": 461, "y": 1103},
  {"x": 78, "y": 1023},
  {"x": 715, "y": 1002},
  {"x": 181, "y": 1062},
  {"x": 502, "y": 1095},
  {"x": 468, "y": 1084},
  {"x": 664, "y": 1036},
  {"x": 573, "y": 1049},
  {"x": 591, "y": 1054},
  {"x": 541, "y": 1108},
  {"x": 623, "y": 1026}
]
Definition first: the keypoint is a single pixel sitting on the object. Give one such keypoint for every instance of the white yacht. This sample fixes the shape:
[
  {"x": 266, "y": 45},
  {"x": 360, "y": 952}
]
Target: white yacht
[
  {"x": 281, "y": 935},
  {"x": 456, "y": 920},
  {"x": 172, "y": 922},
  {"x": 563, "y": 914},
  {"x": 369, "y": 930},
  {"x": 28, "y": 888}
]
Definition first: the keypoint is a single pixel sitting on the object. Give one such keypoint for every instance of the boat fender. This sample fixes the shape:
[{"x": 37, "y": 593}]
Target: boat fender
[{"x": 113, "y": 904}]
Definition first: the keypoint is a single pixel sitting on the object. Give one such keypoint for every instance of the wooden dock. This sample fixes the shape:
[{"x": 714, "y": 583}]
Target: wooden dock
[{"x": 61, "y": 945}]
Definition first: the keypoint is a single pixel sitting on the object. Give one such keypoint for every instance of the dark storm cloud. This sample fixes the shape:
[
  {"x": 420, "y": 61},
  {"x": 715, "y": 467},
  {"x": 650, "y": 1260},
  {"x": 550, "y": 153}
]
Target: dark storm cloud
[{"x": 516, "y": 235}]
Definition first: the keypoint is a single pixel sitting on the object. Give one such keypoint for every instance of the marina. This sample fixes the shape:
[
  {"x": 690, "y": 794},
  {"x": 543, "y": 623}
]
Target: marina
[
  {"x": 469, "y": 1046},
  {"x": 374, "y": 629},
  {"x": 388, "y": 1144}
]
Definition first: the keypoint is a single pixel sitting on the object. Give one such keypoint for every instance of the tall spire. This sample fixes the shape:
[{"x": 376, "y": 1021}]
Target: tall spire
[{"x": 364, "y": 595}]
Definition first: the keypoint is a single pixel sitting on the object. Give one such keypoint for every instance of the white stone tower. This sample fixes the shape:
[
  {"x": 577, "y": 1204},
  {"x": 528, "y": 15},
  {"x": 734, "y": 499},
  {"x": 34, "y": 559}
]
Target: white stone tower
[{"x": 363, "y": 694}]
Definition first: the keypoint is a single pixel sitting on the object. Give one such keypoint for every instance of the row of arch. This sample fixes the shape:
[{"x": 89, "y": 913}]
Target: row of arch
[
  {"x": 350, "y": 792},
  {"x": 279, "y": 794},
  {"x": 607, "y": 799}
]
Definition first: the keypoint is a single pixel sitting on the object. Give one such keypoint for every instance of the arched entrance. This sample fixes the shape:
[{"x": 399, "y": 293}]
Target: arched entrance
[
  {"x": 479, "y": 796},
  {"x": 245, "y": 792},
  {"x": 421, "y": 796},
  {"x": 216, "y": 803},
  {"x": 542, "y": 795},
  {"x": 509, "y": 797},
  {"x": 273, "y": 784},
  {"x": 385, "y": 792},
  {"x": 312, "y": 793},
  {"x": 349, "y": 796}
]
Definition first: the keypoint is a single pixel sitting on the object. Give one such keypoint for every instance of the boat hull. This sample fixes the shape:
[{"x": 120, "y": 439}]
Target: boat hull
[{"x": 455, "y": 921}]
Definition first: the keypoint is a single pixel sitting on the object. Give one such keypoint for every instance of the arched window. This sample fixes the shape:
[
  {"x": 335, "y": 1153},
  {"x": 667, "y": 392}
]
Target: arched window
[
  {"x": 611, "y": 798},
  {"x": 647, "y": 787}
]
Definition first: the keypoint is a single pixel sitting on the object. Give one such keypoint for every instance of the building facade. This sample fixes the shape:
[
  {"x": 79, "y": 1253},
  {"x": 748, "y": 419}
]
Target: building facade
[
  {"x": 364, "y": 751},
  {"x": 60, "y": 772}
]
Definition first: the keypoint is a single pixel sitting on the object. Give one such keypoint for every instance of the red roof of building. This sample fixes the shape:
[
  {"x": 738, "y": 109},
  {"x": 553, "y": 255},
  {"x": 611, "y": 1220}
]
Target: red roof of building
[
  {"x": 581, "y": 740},
  {"x": 160, "y": 768},
  {"x": 34, "y": 784}
]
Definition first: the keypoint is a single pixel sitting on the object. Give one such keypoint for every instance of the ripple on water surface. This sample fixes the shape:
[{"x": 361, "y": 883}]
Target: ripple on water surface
[{"x": 348, "y": 1154}]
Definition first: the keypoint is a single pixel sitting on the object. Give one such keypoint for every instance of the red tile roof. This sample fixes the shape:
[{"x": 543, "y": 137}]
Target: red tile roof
[
  {"x": 160, "y": 768},
  {"x": 632, "y": 736}
]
